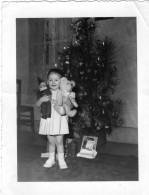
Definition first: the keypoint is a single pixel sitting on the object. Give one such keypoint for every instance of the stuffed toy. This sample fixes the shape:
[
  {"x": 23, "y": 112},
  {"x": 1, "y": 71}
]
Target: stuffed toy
[
  {"x": 45, "y": 106},
  {"x": 58, "y": 104},
  {"x": 66, "y": 97}
]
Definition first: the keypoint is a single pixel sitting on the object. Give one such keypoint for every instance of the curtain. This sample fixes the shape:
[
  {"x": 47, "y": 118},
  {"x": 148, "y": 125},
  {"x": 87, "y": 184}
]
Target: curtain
[
  {"x": 36, "y": 56},
  {"x": 47, "y": 37}
]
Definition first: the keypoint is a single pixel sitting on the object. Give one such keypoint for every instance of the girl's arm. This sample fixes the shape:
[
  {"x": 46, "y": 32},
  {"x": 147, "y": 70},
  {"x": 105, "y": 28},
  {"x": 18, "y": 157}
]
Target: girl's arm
[
  {"x": 38, "y": 103},
  {"x": 41, "y": 100}
]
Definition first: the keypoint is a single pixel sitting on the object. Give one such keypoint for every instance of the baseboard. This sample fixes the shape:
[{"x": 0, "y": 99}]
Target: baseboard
[
  {"x": 119, "y": 135},
  {"x": 124, "y": 135}
]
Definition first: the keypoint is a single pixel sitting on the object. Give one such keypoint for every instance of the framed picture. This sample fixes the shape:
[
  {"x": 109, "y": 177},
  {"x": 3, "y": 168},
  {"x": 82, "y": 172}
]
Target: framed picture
[
  {"x": 89, "y": 143},
  {"x": 88, "y": 147}
]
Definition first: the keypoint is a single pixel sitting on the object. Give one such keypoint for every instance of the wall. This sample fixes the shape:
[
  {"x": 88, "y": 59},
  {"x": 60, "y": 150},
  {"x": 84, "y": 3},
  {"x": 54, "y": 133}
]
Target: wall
[
  {"x": 123, "y": 32},
  {"x": 29, "y": 33},
  {"x": 22, "y": 44},
  {"x": 22, "y": 55}
]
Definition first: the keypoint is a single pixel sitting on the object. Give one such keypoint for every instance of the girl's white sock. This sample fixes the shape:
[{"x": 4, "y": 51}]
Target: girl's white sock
[{"x": 61, "y": 160}]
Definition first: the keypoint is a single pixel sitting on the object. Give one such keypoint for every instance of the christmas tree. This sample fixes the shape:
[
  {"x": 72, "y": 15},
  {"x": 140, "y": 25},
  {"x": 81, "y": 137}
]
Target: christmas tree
[{"x": 91, "y": 64}]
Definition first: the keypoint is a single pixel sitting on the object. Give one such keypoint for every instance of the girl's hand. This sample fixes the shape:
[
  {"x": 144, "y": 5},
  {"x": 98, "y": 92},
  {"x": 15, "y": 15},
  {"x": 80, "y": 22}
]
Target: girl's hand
[
  {"x": 45, "y": 98},
  {"x": 53, "y": 101}
]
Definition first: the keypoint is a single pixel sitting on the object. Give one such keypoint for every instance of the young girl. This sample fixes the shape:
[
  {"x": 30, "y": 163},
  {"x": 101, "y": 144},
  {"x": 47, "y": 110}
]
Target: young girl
[{"x": 56, "y": 126}]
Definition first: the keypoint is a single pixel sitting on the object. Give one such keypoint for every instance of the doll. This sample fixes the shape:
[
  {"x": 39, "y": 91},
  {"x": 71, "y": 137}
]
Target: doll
[{"x": 46, "y": 106}]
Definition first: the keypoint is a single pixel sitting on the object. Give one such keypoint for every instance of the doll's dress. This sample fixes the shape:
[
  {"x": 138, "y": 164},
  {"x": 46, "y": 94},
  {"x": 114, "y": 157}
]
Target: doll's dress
[
  {"x": 45, "y": 106},
  {"x": 56, "y": 125}
]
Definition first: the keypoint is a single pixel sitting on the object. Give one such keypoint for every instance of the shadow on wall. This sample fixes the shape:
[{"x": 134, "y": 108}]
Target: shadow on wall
[{"x": 123, "y": 32}]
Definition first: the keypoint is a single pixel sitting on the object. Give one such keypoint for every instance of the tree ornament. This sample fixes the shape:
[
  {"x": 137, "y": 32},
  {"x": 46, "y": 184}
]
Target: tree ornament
[
  {"x": 106, "y": 126},
  {"x": 67, "y": 62},
  {"x": 80, "y": 63},
  {"x": 81, "y": 72},
  {"x": 92, "y": 67}
]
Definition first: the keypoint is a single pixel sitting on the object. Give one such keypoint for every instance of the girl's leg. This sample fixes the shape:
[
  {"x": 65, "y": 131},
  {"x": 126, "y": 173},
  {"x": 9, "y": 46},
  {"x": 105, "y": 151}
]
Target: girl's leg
[
  {"x": 51, "y": 160},
  {"x": 59, "y": 143},
  {"x": 60, "y": 150},
  {"x": 52, "y": 142}
]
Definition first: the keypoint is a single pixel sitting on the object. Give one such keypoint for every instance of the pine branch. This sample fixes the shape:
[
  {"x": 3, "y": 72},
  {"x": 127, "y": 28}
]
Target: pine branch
[{"x": 92, "y": 65}]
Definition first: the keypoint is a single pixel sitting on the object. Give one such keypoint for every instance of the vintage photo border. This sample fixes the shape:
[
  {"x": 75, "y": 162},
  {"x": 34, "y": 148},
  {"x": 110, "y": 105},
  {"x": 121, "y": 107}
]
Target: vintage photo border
[{"x": 13, "y": 10}]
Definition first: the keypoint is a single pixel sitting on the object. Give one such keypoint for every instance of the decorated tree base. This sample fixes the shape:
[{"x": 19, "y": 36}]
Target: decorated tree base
[{"x": 73, "y": 144}]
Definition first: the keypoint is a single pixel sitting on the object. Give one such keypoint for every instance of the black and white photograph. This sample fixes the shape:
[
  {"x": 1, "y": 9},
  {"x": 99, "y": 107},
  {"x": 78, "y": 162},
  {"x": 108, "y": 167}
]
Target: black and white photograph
[
  {"x": 74, "y": 98},
  {"x": 89, "y": 66}
]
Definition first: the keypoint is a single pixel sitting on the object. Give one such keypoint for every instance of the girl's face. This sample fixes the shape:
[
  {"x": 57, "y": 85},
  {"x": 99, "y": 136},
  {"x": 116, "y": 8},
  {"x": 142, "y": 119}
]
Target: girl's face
[{"x": 54, "y": 81}]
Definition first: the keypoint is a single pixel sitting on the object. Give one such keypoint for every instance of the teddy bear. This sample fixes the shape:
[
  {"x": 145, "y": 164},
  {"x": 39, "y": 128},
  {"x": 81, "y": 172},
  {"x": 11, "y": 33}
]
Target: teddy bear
[
  {"x": 66, "y": 98},
  {"x": 45, "y": 106}
]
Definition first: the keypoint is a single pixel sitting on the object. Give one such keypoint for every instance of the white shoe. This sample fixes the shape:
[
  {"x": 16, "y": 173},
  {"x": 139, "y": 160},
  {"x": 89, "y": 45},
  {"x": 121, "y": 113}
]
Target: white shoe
[
  {"x": 50, "y": 161},
  {"x": 62, "y": 163}
]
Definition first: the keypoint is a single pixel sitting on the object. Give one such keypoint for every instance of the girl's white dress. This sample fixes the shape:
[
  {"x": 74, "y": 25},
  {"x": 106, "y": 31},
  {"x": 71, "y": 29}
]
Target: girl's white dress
[{"x": 56, "y": 125}]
